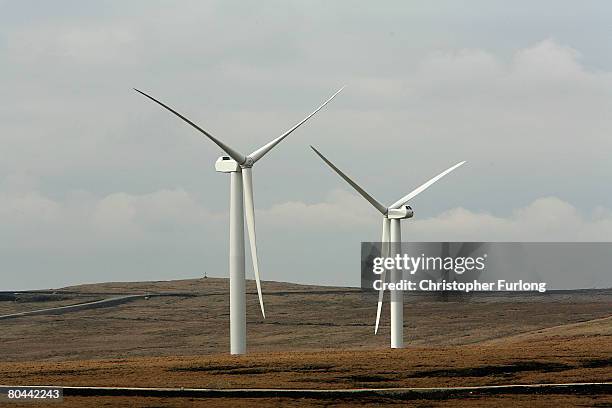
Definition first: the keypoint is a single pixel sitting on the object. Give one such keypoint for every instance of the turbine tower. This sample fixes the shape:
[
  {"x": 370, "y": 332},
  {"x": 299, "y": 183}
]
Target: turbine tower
[
  {"x": 391, "y": 244},
  {"x": 241, "y": 206}
]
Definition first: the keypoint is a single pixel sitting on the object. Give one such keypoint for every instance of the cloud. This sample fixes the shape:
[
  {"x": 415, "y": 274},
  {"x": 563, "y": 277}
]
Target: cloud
[
  {"x": 545, "y": 219},
  {"x": 549, "y": 61},
  {"x": 164, "y": 209},
  {"x": 172, "y": 228},
  {"x": 74, "y": 43},
  {"x": 98, "y": 183},
  {"x": 28, "y": 208},
  {"x": 340, "y": 211}
]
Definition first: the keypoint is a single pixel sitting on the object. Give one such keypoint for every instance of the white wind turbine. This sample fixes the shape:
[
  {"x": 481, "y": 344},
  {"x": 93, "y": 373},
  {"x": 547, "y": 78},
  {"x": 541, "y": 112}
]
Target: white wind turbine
[
  {"x": 391, "y": 236},
  {"x": 241, "y": 186}
]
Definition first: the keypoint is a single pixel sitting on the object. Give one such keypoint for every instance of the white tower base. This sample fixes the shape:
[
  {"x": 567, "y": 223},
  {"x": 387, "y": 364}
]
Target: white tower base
[
  {"x": 236, "y": 267},
  {"x": 397, "y": 296}
]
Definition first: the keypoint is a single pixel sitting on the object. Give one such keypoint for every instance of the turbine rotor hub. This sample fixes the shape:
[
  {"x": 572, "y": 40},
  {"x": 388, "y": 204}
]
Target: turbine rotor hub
[{"x": 249, "y": 162}]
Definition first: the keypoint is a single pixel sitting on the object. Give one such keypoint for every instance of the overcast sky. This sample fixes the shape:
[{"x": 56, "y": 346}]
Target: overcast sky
[{"x": 98, "y": 184}]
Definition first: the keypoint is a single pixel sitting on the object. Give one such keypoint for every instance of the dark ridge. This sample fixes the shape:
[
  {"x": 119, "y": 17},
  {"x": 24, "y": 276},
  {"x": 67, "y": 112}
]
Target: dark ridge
[
  {"x": 484, "y": 371},
  {"x": 597, "y": 363},
  {"x": 233, "y": 370}
]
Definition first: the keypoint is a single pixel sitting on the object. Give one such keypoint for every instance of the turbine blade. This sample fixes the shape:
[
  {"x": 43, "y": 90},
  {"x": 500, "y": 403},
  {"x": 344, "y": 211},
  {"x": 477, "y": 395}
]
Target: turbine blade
[
  {"x": 249, "y": 211},
  {"x": 259, "y": 153},
  {"x": 231, "y": 152},
  {"x": 360, "y": 190},
  {"x": 384, "y": 252},
  {"x": 423, "y": 187}
]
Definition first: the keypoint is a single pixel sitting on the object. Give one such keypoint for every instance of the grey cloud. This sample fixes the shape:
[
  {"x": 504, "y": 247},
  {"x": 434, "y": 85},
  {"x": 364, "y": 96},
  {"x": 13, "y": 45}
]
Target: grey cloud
[
  {"x": 129, "y": 233},
  {"x": 97, "y": 183}
]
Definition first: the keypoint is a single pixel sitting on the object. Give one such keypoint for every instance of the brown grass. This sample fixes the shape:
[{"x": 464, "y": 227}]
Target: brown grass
[{"x": 324, "y": 340}]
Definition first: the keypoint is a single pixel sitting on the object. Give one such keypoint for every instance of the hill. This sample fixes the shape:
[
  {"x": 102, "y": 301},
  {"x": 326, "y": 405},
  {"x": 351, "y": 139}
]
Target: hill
[{"x": 313, "y": 337}]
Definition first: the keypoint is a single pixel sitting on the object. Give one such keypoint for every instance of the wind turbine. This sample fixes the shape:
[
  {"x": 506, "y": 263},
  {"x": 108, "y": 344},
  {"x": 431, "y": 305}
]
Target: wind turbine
[
  {"x": 241, "y": 187},
  {"x": 391, "y": 244}
]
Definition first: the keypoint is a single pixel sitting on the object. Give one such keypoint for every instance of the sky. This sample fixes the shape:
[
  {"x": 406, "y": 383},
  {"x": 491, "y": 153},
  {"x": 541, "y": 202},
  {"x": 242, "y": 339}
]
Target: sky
[{"x": 99, "y": 184}]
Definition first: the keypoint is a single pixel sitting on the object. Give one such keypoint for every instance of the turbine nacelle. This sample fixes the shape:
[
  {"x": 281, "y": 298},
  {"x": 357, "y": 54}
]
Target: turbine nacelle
[
  {"x": 226, "y": 164},
  {"x": 404, "y": 211}
]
